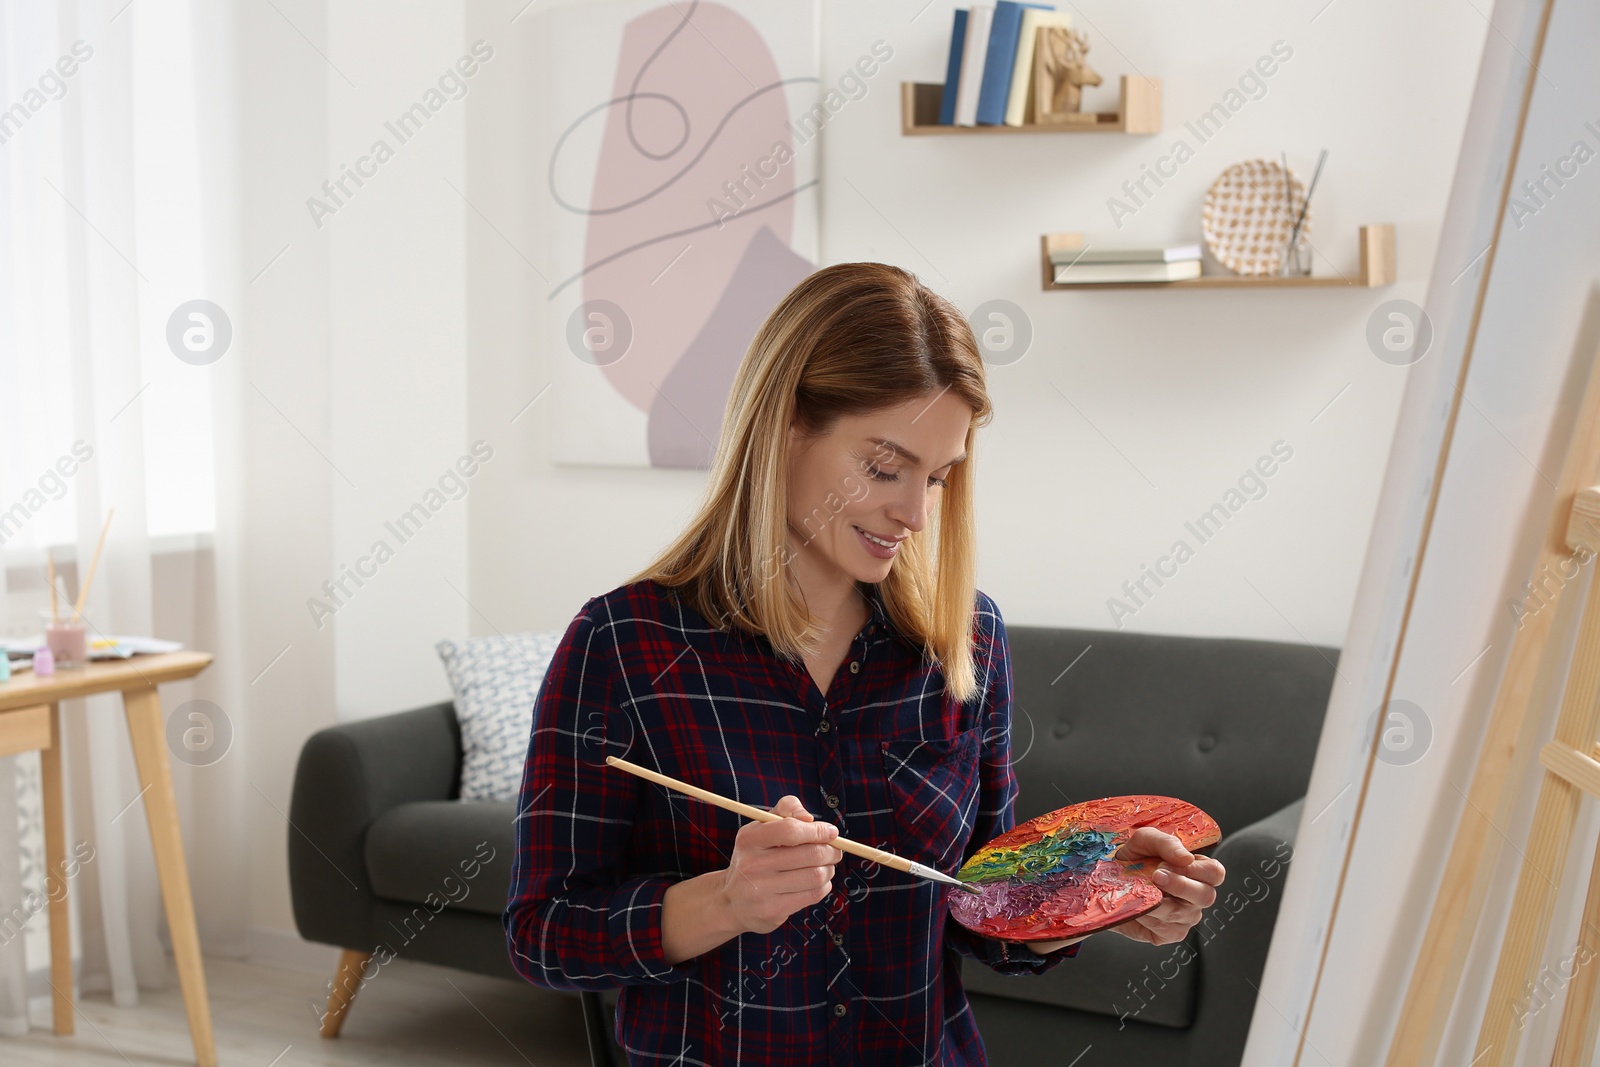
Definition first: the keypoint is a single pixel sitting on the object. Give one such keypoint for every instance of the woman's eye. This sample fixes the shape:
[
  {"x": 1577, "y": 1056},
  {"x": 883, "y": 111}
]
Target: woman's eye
[{"x": 881, "y": 475}]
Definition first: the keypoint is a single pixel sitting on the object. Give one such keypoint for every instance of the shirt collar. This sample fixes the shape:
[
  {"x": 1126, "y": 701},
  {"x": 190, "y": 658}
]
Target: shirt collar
[{"x": 880, "y": 621}]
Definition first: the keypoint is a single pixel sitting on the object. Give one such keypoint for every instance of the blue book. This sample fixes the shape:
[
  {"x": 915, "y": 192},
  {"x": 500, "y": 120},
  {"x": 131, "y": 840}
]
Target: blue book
[
  {"x": 995, "y": 92},
  {"x": 952, "y": 72}
]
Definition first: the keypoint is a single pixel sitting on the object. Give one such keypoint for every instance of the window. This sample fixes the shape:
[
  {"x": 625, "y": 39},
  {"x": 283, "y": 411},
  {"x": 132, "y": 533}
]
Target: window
[{"x": 141, "y": 250}]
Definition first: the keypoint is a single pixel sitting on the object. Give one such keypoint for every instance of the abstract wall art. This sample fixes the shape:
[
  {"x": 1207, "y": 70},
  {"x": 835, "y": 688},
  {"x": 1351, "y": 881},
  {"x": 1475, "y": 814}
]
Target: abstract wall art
[{"x": 682, "y": 185}]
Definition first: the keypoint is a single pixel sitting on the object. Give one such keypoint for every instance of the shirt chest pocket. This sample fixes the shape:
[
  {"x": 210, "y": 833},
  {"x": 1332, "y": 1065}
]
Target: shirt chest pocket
[{"x": 933, "y": 788}]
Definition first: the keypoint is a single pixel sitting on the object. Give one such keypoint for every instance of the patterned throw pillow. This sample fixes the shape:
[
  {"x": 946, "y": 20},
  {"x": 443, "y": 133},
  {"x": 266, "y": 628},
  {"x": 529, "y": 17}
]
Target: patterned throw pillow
[{"x": 495, "y": 680}]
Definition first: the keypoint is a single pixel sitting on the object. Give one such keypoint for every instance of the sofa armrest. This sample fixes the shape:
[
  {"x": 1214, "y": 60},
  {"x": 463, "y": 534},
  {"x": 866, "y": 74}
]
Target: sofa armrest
[
  {"x": 347, "y": 776},
  {"x": 1271, "y": 837},
  {"x": 1232, "y": 941}
]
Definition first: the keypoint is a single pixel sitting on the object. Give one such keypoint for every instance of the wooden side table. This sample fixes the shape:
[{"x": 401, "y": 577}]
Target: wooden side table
[{"x": 30, "y": 719}]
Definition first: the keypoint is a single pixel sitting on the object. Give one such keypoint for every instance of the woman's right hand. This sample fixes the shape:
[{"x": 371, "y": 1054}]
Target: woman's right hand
[{"x": 779, "y": 867}]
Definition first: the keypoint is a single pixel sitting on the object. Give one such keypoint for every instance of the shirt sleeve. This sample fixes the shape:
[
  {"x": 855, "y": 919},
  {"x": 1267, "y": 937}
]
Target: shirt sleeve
[
  {"x": 574, "y": 919},
  {"x": 997, "y": 797}
]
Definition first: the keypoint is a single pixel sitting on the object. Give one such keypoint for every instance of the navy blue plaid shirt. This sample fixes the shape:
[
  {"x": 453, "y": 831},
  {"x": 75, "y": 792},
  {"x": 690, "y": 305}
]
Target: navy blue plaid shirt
[{"x": 869, "y": 975}]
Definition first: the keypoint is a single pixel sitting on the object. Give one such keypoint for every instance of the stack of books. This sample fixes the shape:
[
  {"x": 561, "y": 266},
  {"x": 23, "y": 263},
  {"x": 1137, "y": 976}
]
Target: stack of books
[
  {"x": 991, "y": 62},
  {"x": 1105, "y": 264}
]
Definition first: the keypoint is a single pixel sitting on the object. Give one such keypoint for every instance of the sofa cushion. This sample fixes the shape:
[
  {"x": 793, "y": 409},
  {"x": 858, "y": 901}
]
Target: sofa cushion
[
  {"x": 1111, "y": 975},
  {"x": 1230, "y": 725},
  {"x": 495, "y": 681},
  {"x": 443, "y": 853}
]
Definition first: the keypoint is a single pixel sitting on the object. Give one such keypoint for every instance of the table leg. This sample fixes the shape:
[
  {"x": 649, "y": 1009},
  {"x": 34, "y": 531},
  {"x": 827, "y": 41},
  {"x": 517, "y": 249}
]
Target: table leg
[
  {"x": 146, "y": 728},
  {"x": 55, "y": 884}
]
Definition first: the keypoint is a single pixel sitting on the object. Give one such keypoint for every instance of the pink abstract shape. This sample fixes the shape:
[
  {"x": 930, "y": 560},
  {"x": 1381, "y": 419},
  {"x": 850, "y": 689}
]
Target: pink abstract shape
[
  {"x": 686, "y": 419},
  {"x": 707, "y": 109}
]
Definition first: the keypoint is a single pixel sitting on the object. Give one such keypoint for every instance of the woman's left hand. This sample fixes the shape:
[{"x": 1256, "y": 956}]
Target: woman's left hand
[{"x": 1187, "y": 880}]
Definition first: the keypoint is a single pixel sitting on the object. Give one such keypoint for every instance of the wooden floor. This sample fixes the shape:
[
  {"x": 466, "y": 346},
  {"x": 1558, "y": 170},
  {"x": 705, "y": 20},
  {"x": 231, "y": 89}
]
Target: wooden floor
[{"x": 409, "y": 1014}]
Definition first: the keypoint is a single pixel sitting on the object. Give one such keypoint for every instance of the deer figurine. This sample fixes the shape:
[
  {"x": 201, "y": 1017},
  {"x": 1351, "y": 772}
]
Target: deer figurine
[{"x": 1062, "y": 72}]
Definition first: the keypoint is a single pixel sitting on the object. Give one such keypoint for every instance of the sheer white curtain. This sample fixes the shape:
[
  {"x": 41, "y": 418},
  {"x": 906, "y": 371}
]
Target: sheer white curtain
[{"x": 105, "y": 229}]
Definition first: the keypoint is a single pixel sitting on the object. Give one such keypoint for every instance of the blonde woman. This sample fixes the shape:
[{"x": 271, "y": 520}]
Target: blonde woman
[{"x": 814, "y": 642}]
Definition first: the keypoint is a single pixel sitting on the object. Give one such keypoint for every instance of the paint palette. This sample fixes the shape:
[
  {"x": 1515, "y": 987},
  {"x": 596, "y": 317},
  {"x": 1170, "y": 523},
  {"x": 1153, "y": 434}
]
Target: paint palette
[{"x": 1056, "y": 876}]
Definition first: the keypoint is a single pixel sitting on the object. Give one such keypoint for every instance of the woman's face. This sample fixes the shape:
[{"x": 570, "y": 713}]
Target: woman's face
[{"x": 872, "y": 476}]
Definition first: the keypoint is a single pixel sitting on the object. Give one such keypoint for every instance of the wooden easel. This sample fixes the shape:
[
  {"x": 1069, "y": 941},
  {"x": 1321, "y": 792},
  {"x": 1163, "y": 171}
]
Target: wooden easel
[
  {"x": 1571, "y": 769},
  {"x": 1475, "y": 849}
]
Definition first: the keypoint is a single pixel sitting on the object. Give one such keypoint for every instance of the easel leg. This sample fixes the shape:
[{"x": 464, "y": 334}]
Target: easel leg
[
  {"x": 1545, "y": 858},
  {"x": 1575, "y": 1040},
  {"x": 55, "y": 862},
  {"x": 1475, "y": 847},
  {"x": 143, "y": 707}
]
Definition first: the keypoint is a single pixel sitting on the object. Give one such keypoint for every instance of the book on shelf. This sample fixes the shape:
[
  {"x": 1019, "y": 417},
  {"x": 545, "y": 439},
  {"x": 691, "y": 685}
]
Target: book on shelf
[
  {"x": 952, "y": 70},
  {"x": 994, "y": 95},
  {"x": 1097, "y": 253},
  {"x": 973, "y": 54},
  {"x": 1081, "y": 273},
  {"x": 1018, "y": 110}
]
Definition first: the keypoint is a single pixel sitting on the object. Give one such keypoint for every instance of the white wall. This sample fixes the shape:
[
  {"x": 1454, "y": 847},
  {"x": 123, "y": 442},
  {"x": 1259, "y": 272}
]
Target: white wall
[
  {"x": 397, "y": 271},
  {"x": 284, "y": 358},
  {"x": 352, "y": 340},
  {"x": 1190, "y": 387}
]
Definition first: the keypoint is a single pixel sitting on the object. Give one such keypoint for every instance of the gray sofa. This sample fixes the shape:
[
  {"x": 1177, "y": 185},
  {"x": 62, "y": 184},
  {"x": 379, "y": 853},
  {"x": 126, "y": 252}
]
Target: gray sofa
[{"x": 383, "y": 852}]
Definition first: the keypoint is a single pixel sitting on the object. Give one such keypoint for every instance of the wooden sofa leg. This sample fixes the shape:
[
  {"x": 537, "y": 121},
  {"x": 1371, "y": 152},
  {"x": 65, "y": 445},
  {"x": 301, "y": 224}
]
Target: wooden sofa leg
[{"x": 345, "y": 983}]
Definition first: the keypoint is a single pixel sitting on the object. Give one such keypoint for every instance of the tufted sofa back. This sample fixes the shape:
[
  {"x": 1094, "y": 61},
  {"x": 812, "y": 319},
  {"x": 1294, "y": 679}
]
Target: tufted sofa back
[{"x": 1231, "y": 725}]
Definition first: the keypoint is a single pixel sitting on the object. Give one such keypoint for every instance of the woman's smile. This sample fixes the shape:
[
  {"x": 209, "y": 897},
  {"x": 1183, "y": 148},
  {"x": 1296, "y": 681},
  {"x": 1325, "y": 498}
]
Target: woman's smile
[{"x": 881, "y": 547}]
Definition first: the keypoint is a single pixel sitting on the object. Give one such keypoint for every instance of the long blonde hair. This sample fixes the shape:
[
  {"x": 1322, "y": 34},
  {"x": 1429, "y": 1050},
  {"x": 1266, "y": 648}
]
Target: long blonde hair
[{"x": 850, "y": 339}]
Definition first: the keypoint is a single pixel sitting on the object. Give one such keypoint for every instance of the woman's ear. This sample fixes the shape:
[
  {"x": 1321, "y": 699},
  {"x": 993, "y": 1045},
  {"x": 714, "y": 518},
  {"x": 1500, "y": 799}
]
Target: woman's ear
[{"x": 799, "y": 439}]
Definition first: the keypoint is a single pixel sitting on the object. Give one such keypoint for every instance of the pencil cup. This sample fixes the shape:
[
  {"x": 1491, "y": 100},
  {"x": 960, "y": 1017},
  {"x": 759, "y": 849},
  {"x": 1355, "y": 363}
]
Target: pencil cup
[{"x": 66, "y": 637}]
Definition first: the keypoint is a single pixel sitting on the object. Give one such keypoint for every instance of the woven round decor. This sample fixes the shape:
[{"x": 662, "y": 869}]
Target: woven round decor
[{"x": 1249, "y": 213}]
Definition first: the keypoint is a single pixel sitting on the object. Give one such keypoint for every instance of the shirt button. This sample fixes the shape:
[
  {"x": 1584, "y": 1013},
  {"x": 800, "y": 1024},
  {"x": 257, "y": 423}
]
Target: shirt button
[
  {"x": 838, "y": 1009},
  {"x": 833, "y": 801},
  {"x": 855, "y": 666},
  {"x": 838, "y": 939},
  {"x": 824, "y": 726}
]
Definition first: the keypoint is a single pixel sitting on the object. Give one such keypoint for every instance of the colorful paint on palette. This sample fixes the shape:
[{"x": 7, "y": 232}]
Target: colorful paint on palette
[{"x": 1057, "y": 876}]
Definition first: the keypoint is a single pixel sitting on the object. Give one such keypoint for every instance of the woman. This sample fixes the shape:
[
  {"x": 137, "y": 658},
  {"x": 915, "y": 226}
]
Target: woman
[{"x": 813, "y": 641}]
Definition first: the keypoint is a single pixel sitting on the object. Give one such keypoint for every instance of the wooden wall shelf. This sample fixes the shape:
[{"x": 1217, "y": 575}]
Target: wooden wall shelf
[
  {"x": 1377, "y": 268},
  {"x": 1139, "y": 111}
]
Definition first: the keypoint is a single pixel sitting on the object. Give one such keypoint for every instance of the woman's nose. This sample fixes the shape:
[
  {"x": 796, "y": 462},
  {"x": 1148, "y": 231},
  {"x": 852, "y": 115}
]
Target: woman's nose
[{"x": 910, "y": 509}]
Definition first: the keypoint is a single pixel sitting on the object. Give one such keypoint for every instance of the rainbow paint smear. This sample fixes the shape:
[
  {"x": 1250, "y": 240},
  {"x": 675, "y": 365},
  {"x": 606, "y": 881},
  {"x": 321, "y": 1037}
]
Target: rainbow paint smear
[{"x": 1056, "y": 876}]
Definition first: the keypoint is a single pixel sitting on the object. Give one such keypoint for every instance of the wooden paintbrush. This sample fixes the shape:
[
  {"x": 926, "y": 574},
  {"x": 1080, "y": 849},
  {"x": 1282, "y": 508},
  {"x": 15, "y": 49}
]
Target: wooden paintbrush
[
  {"x": 866, "y": 852},
  {"x": 83, "y": 590},
  {"x": 1294, "y": 234}
]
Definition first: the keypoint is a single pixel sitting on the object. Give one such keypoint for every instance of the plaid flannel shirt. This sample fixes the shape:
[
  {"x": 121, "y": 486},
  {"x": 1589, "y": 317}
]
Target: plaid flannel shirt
[{"x": 869, "y": 975}]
